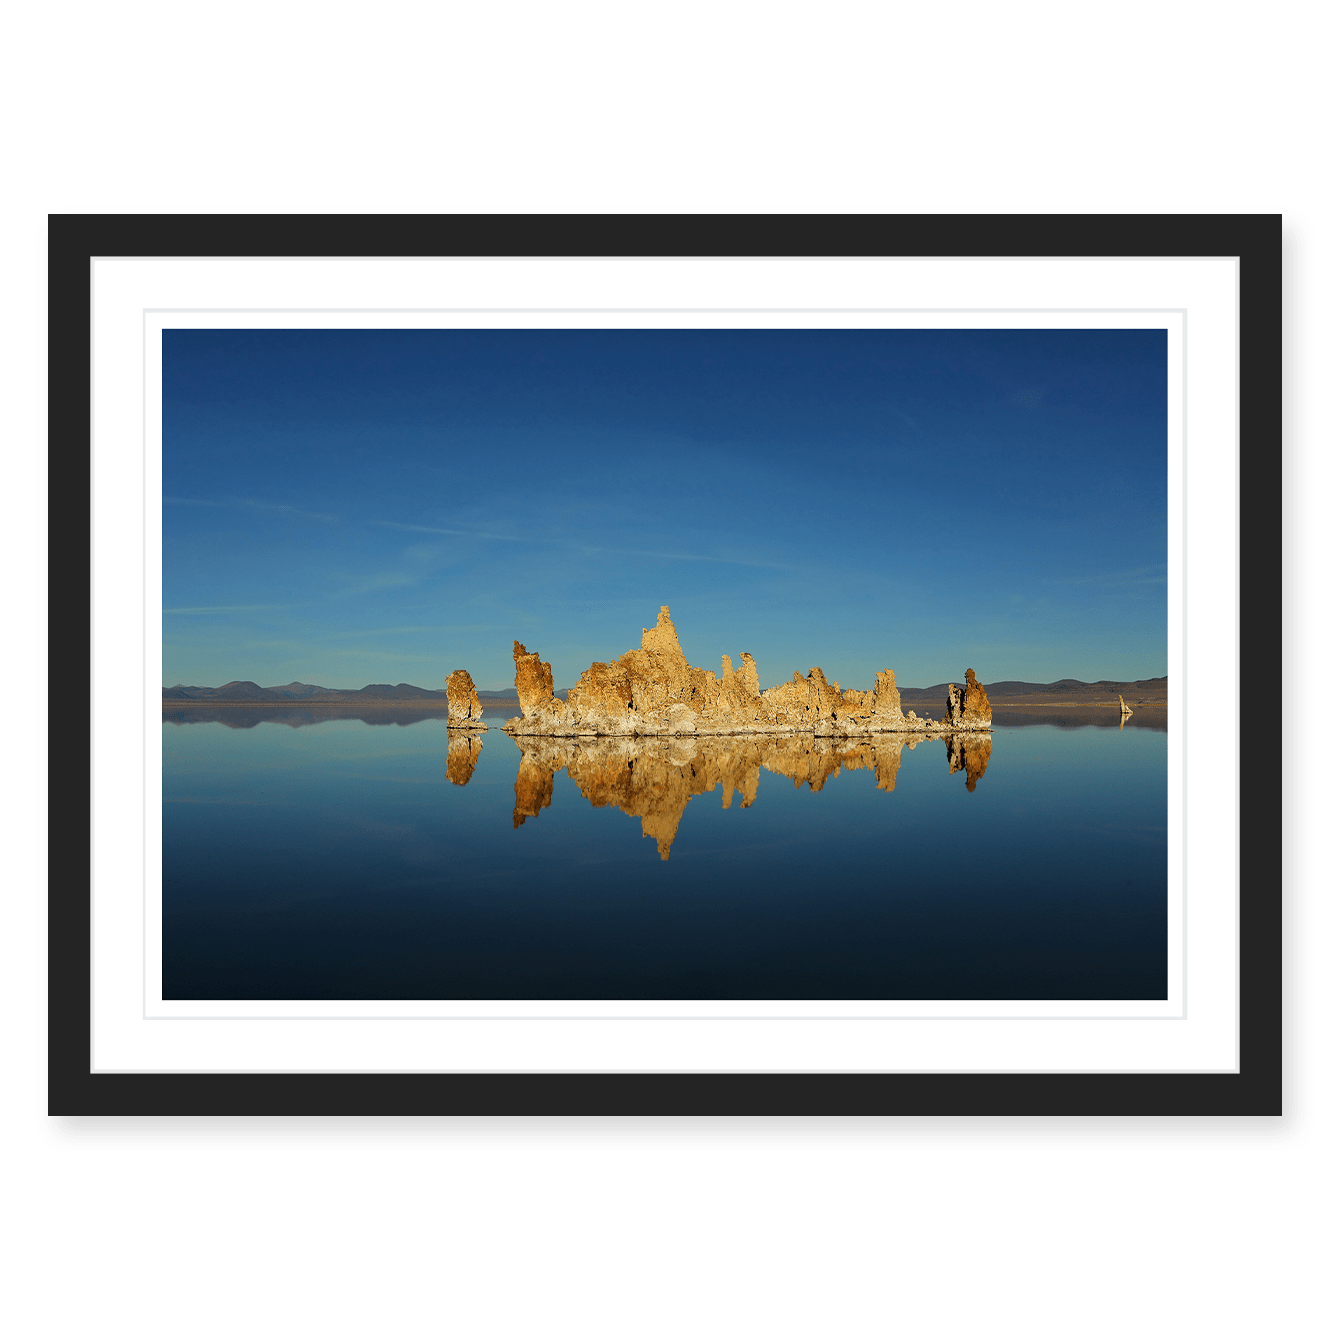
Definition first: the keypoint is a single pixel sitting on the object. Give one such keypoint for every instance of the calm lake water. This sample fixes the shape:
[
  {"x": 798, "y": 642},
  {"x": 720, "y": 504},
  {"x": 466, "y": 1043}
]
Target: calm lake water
[{"x": 316, "y": 856}]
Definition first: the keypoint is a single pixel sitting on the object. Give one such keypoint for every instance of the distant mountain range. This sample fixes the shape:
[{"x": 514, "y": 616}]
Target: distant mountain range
[
  {"x": 1063, "y": 690},
  {"x": 246, "y": 691}
]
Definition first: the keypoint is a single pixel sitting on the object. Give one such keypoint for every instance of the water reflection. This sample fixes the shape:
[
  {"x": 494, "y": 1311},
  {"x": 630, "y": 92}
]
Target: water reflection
[
  {"x": 246, "y": 718},
  {"x": 1079, "y": 718},
  {"x": 969, "y": 753},
  {"x": 653, "y": 779},
  {"x": 463, "y": 754}
]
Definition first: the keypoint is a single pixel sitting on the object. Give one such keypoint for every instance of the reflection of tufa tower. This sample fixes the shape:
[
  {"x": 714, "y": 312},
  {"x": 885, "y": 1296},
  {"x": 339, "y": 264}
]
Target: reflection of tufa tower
[{"x": 654, "y": 779}]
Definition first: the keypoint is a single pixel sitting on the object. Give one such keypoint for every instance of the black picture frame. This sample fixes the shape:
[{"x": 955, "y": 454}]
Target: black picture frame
[{"x": 73, "y": 1089}]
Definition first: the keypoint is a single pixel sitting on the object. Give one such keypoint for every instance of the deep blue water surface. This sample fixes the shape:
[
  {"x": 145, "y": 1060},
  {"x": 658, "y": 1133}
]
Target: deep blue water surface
[{"x": 338, "y": 860}]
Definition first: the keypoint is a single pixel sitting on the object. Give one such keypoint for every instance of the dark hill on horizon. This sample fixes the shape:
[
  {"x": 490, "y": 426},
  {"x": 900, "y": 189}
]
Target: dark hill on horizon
[
  {"x": 245, "y": 690},
  {"x": 248, "y": 691},
  {"x": 1062, "y": 691}
]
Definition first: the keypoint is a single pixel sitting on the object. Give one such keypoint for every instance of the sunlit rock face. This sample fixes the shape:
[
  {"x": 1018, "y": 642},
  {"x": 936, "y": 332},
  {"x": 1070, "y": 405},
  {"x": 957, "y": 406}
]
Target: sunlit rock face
[
  {"x": 655, "y": 691},
  {"x": 544, "y": 712},
  {"x": 463, "y": 754},
  {"x": 463, "y": 704},
  {"x": 603, "y": 690},
  {"x": 886, "y": 699},
  {"x": 535, "y": 679},
  {"x": 653, "y": 779}
]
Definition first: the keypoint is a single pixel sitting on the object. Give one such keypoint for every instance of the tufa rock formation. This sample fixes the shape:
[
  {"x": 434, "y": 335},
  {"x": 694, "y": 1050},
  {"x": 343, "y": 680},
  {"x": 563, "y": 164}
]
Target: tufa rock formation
[
  {"x": 463, "y": 705},
  {"x": 654, "y": 691},
  {"x": 968, "y": 708}
]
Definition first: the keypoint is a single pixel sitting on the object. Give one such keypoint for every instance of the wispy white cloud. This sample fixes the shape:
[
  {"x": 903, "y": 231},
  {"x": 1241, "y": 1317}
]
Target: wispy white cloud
[
  {"x": 238, "y": 803},
  {"x": 1153, "y": 574},
  {"x": 353, "y": 653},
  {"x": 577, "y": 547},
  {"x": 417, "y": 628},
  {"x": 452, "y": 531},
  {"x": 250, "y": 505},
  {"x": 1006, "y": 648},
  {"x": 221, "y": 609},
  {"x": 362, "y": 586},
  {"x": 678, "y": 555}
]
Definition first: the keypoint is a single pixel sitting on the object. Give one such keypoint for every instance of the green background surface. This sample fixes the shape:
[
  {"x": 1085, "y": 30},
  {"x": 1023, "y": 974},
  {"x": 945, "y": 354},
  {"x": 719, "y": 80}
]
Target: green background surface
[{"x": 690, "y": 103}]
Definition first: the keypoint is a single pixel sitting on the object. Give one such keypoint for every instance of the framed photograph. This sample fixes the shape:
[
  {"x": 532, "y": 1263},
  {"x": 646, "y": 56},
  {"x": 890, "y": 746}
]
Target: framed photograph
[{"x": 671, "y": 665}]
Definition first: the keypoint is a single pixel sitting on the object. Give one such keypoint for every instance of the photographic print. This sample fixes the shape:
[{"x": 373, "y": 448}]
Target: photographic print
[
  {"x": 682, "y": 663},
  {"x": 756, "y": 678}
]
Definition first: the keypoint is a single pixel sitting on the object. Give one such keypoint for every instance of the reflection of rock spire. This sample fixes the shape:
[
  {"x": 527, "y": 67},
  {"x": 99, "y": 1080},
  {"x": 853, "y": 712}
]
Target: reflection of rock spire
[
  {"x": 533, "y": 789},
  {"x": 969, "y": 753},
  {"x": 654, "y": 779},
  {"x": 649, "y": 781},
  {"x": 463, "y": 754}
]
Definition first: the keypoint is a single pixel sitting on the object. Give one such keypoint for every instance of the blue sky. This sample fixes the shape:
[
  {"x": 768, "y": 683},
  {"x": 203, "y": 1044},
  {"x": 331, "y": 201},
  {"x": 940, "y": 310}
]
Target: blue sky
[{"x": 354, "y": 507}]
